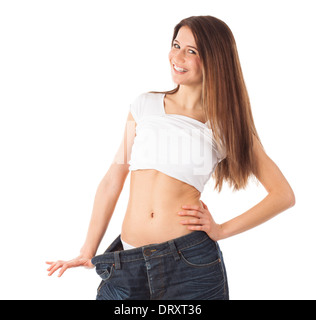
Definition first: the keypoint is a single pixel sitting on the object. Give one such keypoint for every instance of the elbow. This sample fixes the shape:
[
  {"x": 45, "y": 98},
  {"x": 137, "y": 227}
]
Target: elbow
[
  {"x": 291, "y": 199},
  {"x": 288, "y": 197}
]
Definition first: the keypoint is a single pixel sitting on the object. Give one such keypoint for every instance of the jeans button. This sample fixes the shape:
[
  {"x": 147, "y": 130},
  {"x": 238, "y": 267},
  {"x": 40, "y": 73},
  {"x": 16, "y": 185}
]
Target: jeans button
[{"x": 147, "y": 252}]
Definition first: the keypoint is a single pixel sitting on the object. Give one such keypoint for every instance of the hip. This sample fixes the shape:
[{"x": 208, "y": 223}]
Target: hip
[{"x": 187, "y": 267}]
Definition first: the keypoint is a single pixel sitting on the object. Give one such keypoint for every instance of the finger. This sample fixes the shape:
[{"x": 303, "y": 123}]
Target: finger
[
  {"x": 63, "y": 269},
  {"x": 192, "y": 207},
  {"x": 204, "y": 205},
  {"x": 192, "y": 221},
  {"x": 197, "y": 228},
  {"x": 52, "y": 266},
  {"x": 56, "y": 267},
  {"x": 193, "y": 213},
  {"x": 52, "y": 271}
]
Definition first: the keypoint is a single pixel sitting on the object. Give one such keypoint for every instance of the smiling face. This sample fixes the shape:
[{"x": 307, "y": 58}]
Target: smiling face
[{"x": 186, "y": 66}]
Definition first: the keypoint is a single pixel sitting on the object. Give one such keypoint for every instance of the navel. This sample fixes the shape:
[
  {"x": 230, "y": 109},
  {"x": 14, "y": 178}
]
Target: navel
[{"x": 152, "y": 214}]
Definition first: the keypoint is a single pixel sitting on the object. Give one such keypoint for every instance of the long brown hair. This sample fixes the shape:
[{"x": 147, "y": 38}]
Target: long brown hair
[{"x": 225, "y": 99}]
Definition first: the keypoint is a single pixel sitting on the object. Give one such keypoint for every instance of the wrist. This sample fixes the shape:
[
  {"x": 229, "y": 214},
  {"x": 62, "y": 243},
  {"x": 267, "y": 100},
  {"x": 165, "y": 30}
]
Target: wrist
[
  {"x": 87, "y": 252},
  {"x": 221, "y": 234}
]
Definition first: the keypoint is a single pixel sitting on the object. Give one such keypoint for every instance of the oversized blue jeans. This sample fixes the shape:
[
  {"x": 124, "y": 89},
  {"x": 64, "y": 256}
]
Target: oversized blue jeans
[{"x": 190, "y": 267}]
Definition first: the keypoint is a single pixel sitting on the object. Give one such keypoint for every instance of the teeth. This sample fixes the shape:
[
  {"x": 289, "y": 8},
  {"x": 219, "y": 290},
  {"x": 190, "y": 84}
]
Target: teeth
[{"x": 179, "y": 69}]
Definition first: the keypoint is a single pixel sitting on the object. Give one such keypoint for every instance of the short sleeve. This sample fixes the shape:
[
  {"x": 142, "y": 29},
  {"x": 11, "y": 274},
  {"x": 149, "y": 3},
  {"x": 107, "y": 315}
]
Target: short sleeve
[{"x": 136, "y": 107}]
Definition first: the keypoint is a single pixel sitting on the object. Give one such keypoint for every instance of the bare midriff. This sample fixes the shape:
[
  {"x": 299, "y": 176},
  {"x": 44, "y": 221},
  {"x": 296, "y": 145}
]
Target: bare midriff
[{"x": 152, "y": 212}]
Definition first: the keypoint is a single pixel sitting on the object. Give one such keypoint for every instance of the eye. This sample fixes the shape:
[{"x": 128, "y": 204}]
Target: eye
[{"x": 175, "y": 45}]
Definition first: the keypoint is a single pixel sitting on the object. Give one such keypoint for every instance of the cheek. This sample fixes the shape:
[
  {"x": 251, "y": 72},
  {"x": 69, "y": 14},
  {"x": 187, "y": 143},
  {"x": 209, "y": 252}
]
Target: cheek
[
  {"x": 198, "y": 66},
  {"x": 171, "y": 55}
]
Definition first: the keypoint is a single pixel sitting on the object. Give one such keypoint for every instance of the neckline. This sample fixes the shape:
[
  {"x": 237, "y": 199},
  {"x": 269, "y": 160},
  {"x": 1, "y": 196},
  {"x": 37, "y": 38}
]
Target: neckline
[{"x": 178, "y": 115}]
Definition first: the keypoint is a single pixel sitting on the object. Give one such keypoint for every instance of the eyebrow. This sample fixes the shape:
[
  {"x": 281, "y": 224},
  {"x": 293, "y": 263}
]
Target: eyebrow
[{"x": 187, "y": 46}]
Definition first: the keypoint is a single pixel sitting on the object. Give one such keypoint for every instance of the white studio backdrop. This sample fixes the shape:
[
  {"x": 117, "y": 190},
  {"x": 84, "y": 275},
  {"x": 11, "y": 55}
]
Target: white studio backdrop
[{"x": 68, "y": 72}]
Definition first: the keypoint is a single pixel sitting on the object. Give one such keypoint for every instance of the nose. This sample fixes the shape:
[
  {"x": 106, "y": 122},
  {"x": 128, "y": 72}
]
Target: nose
[{"x": 179, "y": 56}]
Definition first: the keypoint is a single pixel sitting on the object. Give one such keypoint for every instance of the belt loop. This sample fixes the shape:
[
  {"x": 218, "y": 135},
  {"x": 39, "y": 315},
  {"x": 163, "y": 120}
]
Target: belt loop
[
  {"x": 117, "y": 262},
  {"x": 174, "y": 250}
]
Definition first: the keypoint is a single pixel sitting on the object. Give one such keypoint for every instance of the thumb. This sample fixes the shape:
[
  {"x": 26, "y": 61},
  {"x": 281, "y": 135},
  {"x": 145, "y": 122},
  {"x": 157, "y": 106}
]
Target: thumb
[{"x": 204, "y": 205}]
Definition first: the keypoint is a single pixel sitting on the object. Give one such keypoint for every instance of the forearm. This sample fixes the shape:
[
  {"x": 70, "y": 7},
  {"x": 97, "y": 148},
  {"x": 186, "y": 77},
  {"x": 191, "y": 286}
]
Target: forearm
[
  {"x": 103, "y": 207},
  {"x": 270, "y": 206}
]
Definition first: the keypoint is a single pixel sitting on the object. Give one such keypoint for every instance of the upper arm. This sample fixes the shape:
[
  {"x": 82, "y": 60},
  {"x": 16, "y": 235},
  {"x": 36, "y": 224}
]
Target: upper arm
[
  {"x": 123, "y": 154},
  {"x": 120, "y": 167},
  {"x": 270, "y": 175}
]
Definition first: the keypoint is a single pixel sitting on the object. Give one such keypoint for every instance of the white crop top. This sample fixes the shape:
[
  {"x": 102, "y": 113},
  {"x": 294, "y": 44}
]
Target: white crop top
[{"x": 176, "y": 145}]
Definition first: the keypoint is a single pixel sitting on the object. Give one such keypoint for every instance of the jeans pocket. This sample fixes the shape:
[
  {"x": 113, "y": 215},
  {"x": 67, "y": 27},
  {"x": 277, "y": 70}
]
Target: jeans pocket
[
  {"x": 104, "y": 270},
  {"x": 203, "y": 254}
]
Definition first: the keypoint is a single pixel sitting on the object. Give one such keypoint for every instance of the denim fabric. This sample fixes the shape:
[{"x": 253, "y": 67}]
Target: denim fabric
[{"x": 190, "y": 267}]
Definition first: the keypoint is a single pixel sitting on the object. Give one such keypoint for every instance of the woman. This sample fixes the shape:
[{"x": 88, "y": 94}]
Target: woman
[{"x": 168, "y": 247}]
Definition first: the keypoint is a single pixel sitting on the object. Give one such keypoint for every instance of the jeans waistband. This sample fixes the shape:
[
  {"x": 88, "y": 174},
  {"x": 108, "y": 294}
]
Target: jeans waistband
[{"x": 113, "y": 255}]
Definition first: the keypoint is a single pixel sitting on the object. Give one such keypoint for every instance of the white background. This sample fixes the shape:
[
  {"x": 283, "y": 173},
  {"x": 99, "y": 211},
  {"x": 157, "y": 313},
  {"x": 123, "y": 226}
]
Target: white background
[{"x": 68, "y": 72}]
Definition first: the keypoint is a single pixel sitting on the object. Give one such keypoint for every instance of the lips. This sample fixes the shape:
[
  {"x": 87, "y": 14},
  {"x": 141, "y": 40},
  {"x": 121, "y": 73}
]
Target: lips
[{"x": 178, "y": 68}]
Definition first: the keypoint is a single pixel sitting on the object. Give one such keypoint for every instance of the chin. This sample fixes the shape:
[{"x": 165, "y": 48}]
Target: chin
[{"x": 182, "y": 82}]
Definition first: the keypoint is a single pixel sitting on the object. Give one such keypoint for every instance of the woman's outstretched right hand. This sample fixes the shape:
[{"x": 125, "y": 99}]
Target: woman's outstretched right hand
[{"x": 64, "y": 265}]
